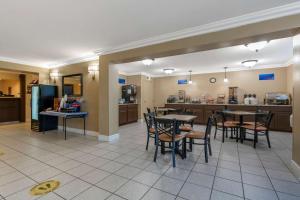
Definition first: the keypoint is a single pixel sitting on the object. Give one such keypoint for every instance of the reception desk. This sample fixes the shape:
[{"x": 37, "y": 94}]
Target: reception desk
[{"x": 10, "y": 109}]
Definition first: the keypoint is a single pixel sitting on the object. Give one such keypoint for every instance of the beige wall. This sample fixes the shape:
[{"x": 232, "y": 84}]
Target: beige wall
[
  {"x": 42, "y": 73},
  {"x": 247, "y": 81},
  {"x": 290, "y": 79},
  {"x": 296, "y": 104},
  {"x": 90, "y": 94},
  {"x": 147, "y": 94}
]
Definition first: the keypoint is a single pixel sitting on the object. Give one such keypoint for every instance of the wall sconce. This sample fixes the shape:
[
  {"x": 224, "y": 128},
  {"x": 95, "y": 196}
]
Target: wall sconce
[
  {"x": 92, "y": 69},
  {"x": 54, "y": 75}
]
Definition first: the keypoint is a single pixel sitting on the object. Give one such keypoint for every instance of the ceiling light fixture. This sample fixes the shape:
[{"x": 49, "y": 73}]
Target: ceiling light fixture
[
  {"x": 148, "y": 62},
  {"x": 225, "y": 77},
  {"x": 169, "y": 70},
  {"x": 190, "y": 81},
  {"x": 249, "y": 63},
  {"x": 257, "y": 45}
]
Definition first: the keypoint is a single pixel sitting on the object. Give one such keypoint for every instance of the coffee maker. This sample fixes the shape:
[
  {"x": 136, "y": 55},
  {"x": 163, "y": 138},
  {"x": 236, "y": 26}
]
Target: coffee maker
[
  {"x": 129, "y": 93},
  {"x": 233, "y": 95}
]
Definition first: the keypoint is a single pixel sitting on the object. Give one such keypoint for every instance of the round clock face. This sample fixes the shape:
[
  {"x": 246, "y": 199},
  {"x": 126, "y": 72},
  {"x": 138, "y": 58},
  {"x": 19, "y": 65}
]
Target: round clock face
[{"x": 212, "y": 80}]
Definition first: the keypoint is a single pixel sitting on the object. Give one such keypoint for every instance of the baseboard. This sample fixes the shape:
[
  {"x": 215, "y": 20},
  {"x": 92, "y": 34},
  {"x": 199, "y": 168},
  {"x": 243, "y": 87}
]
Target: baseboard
[
  {"x": 296, "y": 169},
  {"x": 108, "y": 138},
  {"x": 79, "y": 131}
]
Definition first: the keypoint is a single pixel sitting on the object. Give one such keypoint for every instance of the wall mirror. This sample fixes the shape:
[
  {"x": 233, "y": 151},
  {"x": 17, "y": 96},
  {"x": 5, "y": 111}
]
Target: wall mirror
[{"x": 72, "y": 85}]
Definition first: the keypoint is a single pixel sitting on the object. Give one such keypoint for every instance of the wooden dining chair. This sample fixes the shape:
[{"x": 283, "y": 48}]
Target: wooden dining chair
[
  {"x": 150, "y": 127},
  {"x": 204, "y": 136},
  {"x": 260, "y": 127},
  {"x": 223, "y": 123},
  {"x": 166, "y": 132}
]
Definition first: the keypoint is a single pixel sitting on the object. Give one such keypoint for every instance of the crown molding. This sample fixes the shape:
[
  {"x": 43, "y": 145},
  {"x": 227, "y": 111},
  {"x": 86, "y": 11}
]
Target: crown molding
[
  {"x": 259, "y": 16},
  {"x": 230, "y": 69},
  {"x": 17, "y": 61}
]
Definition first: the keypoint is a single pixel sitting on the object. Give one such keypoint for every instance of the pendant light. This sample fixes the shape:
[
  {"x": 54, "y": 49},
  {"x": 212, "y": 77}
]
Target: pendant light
[
  {"x": 225, "y": 78},
  {"x": 190, "y": 81}
]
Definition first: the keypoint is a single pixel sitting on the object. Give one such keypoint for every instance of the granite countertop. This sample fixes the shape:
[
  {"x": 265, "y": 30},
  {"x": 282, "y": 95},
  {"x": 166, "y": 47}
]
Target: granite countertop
[
  {"x": 226, "y": 104},
  {"x": 4, "y": 97},
  {"x": 120, "y": 104}
]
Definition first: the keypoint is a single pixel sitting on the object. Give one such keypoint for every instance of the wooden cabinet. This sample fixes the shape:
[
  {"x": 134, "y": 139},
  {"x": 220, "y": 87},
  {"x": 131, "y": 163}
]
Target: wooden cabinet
[
  {"x": 280, "y": 121},
  {"x": 128, "y": 113},
  {"x": 122, "y": 114},
  {"x": 132, "y": 113},
  {"x": 10, "y": 109}
]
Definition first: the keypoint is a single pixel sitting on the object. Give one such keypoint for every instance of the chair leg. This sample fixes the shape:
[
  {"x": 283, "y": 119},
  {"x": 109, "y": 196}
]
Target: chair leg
[
  {"x": 226, "y": 132},
  {"x": 184, "y": 148},
  {"x": 155, "y": 154},
  {"x": 209, "y": 147},
  {"x": 236, "y": 134},
  {"x": 173, "y": 154},
  {"x": 268, "y": 139},
  {"x": 162, "y": 147},
  {"x": 255, "y": 139},
  {"x": 205, "y": 151},
  {"x": 191, "y": 144},
  {"x": 223, "y": 135},
  {"x": 147, "y": 142},
  {"x": 216, "y": 129}
]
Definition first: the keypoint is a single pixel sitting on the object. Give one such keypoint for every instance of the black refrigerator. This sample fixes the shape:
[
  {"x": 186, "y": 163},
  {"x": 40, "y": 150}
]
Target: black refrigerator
[{"x": 42, "y": 97}]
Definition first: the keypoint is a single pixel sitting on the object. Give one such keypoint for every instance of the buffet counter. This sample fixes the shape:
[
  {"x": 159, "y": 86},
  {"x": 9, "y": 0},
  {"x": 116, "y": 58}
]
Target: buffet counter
[
  {"x": 10, "y": 109},
  {"x": 280, "y": 121}
]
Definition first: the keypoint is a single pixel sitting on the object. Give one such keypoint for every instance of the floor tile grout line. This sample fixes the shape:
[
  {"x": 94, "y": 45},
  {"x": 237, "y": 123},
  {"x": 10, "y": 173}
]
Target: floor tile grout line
[
  {"x": 267, "y": 174},
  {"x": 212, "y": 187},
  {"x": 241, "y": 173},
  {"x": 188, "y": 175}
]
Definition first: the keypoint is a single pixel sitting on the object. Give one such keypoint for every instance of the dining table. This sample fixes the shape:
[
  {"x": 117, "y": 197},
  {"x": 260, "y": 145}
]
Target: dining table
[
  {"x": 240, "y": 115},
  {"x": 179, "y": 120}
]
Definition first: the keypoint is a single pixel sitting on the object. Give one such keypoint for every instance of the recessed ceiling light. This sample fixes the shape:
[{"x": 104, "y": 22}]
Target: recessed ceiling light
[
  {"x": 148, "y": 62},
  {"x": 169, "y": 70},
  {"x": 257, "y": 45},
  {"x": 249, "y": 63}
]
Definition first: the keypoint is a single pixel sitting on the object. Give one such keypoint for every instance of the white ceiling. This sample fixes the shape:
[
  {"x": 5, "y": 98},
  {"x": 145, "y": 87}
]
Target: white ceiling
[
  {"x": 48, "y": 32},
  {"x": 276, "y": 54}
]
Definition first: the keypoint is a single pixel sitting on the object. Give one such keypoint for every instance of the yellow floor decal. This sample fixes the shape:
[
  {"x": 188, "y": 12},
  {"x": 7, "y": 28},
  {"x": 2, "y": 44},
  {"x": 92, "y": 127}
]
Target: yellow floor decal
[
  {"x": 1, "y": 153},
  {"x": 44, "y": 187}
]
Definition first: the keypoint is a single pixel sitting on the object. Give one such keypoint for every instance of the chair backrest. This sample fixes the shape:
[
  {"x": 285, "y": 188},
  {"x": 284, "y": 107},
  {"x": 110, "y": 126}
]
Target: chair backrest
[
  {"x": 209, "y": 125},
  {"x": 219, "y": 117},
  {"x": 148, "y": 110},
  {"x": 149, "y": 120},
  {"x": 165, "y": 126},
  {"x": 263, "y": 118}
]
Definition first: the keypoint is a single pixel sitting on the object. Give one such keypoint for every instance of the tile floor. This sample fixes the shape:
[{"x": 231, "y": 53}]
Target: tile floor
[{"x": 88, "y": 169}]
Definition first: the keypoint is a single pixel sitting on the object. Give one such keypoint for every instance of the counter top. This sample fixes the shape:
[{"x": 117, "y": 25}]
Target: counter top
[
  {"x": 123, "y": 104},
  {"x": 9, "y": 97},
  {"x": 226, "y": 104}
]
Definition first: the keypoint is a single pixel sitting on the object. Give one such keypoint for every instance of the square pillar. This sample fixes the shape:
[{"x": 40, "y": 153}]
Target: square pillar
[{"x": 108, "y": 100}]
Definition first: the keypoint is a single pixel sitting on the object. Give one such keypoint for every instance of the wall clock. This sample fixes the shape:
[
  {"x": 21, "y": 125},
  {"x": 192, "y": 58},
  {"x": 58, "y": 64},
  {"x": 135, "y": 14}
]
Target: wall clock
[{"x": 212, "y": 80}]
